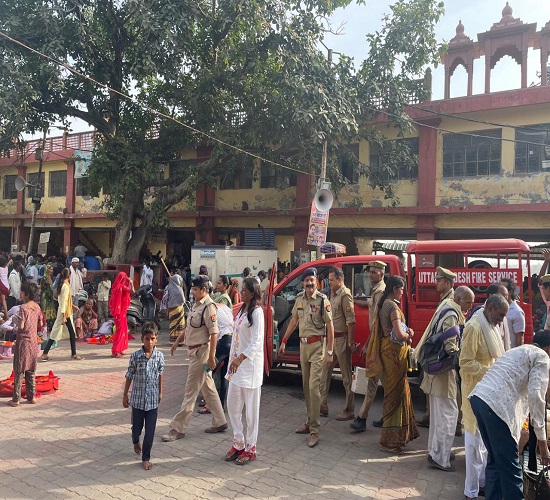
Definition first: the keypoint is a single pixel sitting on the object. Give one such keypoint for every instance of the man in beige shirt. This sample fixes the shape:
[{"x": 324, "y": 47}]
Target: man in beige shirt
[
  {"x": 343, "y": 319},
  {"x": 376, "y": 272}
]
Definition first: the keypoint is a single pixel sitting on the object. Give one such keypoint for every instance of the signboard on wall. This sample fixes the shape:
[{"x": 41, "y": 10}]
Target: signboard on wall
[
  {"x": 44, "y": 237},
  {"x": 43, "y": 248}
]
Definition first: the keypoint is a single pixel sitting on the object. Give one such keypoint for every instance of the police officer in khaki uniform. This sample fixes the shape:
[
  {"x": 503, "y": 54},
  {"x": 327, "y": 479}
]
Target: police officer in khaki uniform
[
  {"x": 312, "y": 312},
  {"x": 343, "y": 320},
  {"x": 200, "y": 337},
  {"x": 444, "y": 282},
  {"x": 377, "y": 269}
]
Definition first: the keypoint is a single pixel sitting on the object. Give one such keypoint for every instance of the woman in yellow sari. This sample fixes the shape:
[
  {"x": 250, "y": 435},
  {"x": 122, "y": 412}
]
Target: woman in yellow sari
[{"x": 399, "y": 425}]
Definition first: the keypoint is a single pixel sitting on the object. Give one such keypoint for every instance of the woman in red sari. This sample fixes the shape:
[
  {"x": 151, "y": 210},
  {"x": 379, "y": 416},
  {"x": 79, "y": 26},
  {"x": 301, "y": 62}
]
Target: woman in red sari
[{"x": 118, "y": 305}]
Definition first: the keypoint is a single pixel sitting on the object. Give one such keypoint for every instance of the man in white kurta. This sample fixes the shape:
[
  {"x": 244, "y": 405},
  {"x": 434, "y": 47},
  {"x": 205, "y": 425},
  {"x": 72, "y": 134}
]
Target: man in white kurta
[
  {"x": 245, "y": 375},
  {"x": 76, "y": 277},
  {"x": 481, "y": 345},
  {"x": 442, "y": 388}
]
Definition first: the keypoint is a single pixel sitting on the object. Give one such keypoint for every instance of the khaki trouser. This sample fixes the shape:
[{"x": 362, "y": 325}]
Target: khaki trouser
[
  {"x": 342, "y": 355},
  {"x": 198, "y": 380},
  {"x": 312, "y": 357},
  {"x": 372, "y": 387}
]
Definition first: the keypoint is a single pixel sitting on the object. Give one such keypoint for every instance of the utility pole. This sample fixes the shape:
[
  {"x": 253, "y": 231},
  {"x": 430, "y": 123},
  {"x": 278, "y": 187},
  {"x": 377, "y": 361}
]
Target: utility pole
[{"x": 37, "y": 194}]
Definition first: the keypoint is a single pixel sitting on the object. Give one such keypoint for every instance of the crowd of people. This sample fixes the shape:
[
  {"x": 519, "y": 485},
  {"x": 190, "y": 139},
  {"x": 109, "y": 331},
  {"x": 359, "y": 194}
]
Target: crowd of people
[{"x": 482, "y": 377}]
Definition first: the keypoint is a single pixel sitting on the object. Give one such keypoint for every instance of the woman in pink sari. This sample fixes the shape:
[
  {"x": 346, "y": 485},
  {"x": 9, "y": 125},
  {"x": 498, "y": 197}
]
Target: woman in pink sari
[{"x": 118, "y": 305}]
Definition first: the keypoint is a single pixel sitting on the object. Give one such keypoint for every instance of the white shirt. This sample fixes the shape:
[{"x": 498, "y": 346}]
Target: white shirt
[
  {"x": 75, "y": 280},
  {"x": 15, "y": 284},
  {"x": 146, "y": 276},
  {"x": 516, "y": 386},
  {"x": 248, "y": 340},
  {"x": 225, "y": 320},
  {"x": 516, "y": 321},
  {"x": 33, "y": 271},
  {"x": 103, "y": 290}
]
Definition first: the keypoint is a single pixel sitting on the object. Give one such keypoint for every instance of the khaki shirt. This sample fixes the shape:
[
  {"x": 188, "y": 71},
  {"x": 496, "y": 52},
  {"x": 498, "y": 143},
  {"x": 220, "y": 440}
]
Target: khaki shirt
[
  {"x": 199, "y": 326},
  {"x": 377, "y": 291},
  {"x": 343, "y": 314},
  {"x": 449, "y": 295},
  {"x": 312, "y": 314}
]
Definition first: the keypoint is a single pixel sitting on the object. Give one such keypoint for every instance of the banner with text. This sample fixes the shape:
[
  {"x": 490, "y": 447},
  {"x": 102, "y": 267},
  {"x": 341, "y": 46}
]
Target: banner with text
[
  {"x": 471, "y": 277},
  {"x": 318, "y": 225}
]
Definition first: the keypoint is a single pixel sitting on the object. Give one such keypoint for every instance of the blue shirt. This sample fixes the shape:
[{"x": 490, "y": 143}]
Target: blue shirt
[{"x": 145, "y": 374}]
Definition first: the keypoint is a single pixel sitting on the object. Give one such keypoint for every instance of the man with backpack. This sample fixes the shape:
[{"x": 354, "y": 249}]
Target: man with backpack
[{"x": 437, "y": 351}]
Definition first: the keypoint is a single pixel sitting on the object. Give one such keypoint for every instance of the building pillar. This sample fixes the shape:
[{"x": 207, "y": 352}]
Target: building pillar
[
  {"x": 68, "y": 233},
  {"x": 300, "y": 233},
  {"x": 425, "y": 227},
  {"x": 206, "y": 231},
  {"x": 24, "y": 233},
  {"x": 427, "y": 163}
]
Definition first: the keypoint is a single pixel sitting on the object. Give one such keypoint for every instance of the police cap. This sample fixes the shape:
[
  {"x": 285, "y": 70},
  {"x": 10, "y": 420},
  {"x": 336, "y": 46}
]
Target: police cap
[
  {"x": 309, "y": 272},
  {"x": 441, "y": 272}
]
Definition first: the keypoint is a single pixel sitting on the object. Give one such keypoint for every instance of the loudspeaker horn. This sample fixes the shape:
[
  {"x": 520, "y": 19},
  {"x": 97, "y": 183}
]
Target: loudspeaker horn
[
  {"x": 323, "y": 200},
  {"x": 20, "y": 183}
]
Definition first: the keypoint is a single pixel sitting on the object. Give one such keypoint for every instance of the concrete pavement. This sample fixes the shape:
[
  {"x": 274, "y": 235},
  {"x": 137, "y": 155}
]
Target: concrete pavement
[{"x": 76, "y": 443}]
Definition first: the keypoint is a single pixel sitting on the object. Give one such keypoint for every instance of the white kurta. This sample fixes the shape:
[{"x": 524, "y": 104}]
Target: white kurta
[
  {"x": 76, "y": 281},
  {"x": 248, "y": 340},
  {"x": 245, "y": 384}
]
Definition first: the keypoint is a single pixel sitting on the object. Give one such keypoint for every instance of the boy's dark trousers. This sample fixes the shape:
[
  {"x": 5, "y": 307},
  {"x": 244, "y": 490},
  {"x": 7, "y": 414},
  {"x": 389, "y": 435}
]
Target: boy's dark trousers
[{"x": 149, "y": 418}]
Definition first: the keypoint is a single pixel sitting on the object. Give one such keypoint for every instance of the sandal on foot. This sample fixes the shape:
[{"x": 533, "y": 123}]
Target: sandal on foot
[
  {"x": 202, "y": 403},
  {"x": 204, "y": 410},
  {"x": 233, "y": 454},
  {"x": 44, "y": 358},
  {"x": 76, "y": 357},
  {"x": 32, "y": 401},
  {"x": 245, "y": 457},
  {"x": 13, "y": 403}
]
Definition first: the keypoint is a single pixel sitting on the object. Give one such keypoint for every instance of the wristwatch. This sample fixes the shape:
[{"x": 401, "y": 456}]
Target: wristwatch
[{"x": 329, "y": 352}]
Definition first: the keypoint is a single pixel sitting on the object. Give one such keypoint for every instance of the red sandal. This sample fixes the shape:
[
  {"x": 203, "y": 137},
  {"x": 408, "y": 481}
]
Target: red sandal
[
  {"x": 245, "y": 457},
  {"x": 233, "y": 454}
]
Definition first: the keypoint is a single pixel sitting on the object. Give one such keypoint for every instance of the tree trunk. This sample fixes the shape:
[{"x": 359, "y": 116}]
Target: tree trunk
[
  {"x": 136, "y": 242},
  {"x": 123, "y": 229}
]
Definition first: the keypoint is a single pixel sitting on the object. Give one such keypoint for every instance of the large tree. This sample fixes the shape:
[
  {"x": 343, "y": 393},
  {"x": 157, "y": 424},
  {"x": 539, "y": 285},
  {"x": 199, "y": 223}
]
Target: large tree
[{"x": 248, "y": 73}]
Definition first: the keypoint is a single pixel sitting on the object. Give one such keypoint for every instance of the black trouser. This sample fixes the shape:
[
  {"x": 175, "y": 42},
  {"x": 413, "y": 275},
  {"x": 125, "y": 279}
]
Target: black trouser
[
  {"x": 222, "y": 354},
  {"x": 10, "y": 302},
  {"x": 149, "y": 418},
  {"x": 72, "y": 339}
]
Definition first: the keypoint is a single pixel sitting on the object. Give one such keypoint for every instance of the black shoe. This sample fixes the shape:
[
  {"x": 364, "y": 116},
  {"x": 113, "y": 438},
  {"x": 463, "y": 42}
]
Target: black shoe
[
  {"x": 378, "y": 423},
  {"x": 359, "y": 425},
  {"x": 481, "y": 492}
]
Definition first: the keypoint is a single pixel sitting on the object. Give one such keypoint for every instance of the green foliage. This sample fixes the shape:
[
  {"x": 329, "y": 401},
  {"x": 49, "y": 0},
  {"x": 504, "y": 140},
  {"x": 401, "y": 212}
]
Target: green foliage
[{"x": 248, "y": 72}]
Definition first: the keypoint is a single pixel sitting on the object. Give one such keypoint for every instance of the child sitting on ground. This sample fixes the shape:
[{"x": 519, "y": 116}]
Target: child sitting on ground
[{"x": 145, "y": 376}]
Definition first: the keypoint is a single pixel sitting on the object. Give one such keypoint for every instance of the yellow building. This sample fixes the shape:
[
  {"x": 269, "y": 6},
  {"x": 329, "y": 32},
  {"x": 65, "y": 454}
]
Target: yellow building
[{"x": 482, "y": 172}]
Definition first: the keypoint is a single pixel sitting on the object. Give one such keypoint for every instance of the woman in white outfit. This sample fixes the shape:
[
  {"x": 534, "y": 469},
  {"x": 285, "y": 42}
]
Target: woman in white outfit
[{"x": 245, "y": 373}]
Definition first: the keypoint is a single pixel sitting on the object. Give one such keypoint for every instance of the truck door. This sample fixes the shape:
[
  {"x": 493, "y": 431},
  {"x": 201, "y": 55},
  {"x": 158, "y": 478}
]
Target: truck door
[{"x": 268, "y": 318}]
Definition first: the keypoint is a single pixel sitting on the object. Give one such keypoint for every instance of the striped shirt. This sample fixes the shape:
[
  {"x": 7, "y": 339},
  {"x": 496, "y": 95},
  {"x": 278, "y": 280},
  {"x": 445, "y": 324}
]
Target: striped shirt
[{"x": 145, "y": 374}]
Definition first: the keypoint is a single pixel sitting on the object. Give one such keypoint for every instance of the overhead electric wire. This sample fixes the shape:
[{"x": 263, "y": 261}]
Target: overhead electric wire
[{"x": 73, "y": 70}]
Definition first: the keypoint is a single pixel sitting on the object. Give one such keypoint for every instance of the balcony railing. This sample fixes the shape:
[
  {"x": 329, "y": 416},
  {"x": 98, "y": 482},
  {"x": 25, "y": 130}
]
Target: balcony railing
[{"x": 80, "y": 140}]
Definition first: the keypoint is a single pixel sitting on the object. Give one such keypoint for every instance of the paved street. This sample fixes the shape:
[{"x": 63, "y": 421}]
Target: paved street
[{"x": 77, "y": 443}]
